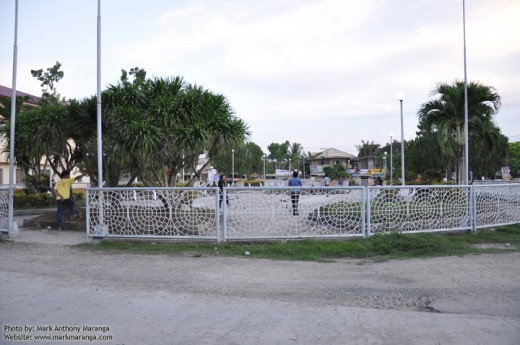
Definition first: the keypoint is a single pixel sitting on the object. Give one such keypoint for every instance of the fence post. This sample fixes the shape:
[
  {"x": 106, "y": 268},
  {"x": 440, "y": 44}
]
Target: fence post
[
  {"x": 224, "y": 212},
  {"x": 365, "y": 220},
  {"x": 473, "y": 206},
  {"x": 217, "y": 215}
]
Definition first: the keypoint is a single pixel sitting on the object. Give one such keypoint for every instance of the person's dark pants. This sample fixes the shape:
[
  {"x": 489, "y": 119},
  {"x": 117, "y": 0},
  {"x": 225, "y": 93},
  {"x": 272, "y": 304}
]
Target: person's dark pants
[
  {"x": 59, "y": 214},
  {"x": 294, "y": 199},
  {"x": 222, "y": 198}
]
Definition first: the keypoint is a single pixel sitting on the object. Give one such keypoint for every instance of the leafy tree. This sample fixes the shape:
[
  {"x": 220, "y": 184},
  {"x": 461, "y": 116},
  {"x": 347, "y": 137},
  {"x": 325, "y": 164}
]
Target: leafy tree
[
  {"x": 335, "y": 171},
  {"x": 158, "y": 127},
  {"x": 43, "y": 133},
  {"x": 278, "y": 153},
  {"x": 514, "y": 158},
  {"x": 5, "y": 107},
  {"x": 48, "y": 79},
  {"x": 368, "y": 149},
  {"x": 249, "y": 160},
  {"x": 444, "y": 116},
  {"x": 487, "y": 157},
  {"x": 286, "y": 155},
  {"x": 424, "y": 158}
]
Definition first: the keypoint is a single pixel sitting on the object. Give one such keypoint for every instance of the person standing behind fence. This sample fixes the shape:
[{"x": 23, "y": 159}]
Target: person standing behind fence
[
  {"x": 295, "y": 193},
  {"x": 63, "y": 192},
  {"x": 326, "y": 183},
  {"x": 326, "y": 180},
  {"x": 221, "y": 184}
]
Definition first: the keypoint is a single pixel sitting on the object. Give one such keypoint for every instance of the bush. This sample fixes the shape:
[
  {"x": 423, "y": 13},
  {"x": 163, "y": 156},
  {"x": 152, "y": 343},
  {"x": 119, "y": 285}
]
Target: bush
[{"x": 44, "y": 200}]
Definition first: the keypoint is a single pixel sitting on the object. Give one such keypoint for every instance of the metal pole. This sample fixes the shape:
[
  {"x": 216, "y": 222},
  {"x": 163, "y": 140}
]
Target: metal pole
[
  {"x": 13, "y": 119},
  {"x": 264, "y": 168},
  {"x": 466, "y": 140},
  {"x": 391, "y": 161},
  {"x": 384, "y": 165},
  {"x": 402, "y": 144},
  {"x": 101, "y": 230},
  {"x": 99, "y": 133},
  {"x": 303, "y": 163},
  {"x": 232, "y": 166}
]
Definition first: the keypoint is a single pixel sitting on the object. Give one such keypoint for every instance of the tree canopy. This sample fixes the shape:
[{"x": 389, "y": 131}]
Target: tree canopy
[
  {"x": 152, "y": 129},
  {"x": 444, "y": 116}
]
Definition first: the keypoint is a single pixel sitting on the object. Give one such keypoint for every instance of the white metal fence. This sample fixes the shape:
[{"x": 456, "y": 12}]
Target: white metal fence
[
  {"x": 259, "y": 213},
  {"x": 4, "y": 209}
]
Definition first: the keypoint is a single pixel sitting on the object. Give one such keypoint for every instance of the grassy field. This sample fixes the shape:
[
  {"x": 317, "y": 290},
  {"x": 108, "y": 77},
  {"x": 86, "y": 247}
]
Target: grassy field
[{"x": 377, "y": 248}]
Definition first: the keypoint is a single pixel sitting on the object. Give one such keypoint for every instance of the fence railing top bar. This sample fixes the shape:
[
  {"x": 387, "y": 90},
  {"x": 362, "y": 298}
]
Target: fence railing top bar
[
  {"x": 416, "y": 186},
  {"x": 497, "y": 185},
  {"x": 252, "y": 188},
  {"x": 118, "y": 189},
  {"x": 286, "y": 187}
]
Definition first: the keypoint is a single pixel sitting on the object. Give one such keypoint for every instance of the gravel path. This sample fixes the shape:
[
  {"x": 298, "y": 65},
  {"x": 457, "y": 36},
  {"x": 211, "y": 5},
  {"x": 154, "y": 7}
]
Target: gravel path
[{"x": 217, "y": 300}]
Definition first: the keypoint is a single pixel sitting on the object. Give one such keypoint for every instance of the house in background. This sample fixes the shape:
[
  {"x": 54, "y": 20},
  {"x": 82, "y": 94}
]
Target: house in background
[
  {"x": 5, "y": 92},
  {"x": 331, "y": 157},
  {"x": 370, "y": 163}
]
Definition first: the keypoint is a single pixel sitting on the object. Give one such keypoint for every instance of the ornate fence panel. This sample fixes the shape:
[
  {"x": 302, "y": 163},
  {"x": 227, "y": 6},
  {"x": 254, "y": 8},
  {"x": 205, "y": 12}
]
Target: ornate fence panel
[
  {"x": 153, "y": 212},
  {"x": 418, "y": 208},
  {"x": 4, "y": 209},
  {"x": 497, "y": 204},
  {"x": 268, "y": 212},
  {"x": 249, "y": 213}
]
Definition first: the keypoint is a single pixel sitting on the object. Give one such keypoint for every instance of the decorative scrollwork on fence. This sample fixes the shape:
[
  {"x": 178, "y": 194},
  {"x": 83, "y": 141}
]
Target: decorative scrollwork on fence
[
  {"x": 154, "y": 212},
  {"x": 4, "y": 209},
  {"x": 418, "y": 208},
  {"x": 497, "y": 204},
  {"x": 242, "y": 213},
  {"x": 308, "y": 212}
]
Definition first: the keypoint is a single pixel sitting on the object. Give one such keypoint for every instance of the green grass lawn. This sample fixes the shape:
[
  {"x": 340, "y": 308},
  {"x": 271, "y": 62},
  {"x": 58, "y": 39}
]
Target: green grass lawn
[{"x": 379, "y": 247}]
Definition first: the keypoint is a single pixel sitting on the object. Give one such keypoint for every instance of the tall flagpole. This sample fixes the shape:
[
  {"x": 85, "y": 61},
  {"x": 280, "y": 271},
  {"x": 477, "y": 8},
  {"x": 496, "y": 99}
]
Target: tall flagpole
[
  {"x": 466, "y": 133},
  {"x": 10, "y": 225},
  {"x": 99, "y": 133}
]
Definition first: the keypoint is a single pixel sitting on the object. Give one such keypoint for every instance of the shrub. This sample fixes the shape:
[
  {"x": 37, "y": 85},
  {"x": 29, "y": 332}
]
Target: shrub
[{"x": 21, "y": 201}]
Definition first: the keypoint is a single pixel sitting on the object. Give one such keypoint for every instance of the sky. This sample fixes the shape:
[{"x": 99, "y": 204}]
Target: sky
[{"x": 322, "y": 73}]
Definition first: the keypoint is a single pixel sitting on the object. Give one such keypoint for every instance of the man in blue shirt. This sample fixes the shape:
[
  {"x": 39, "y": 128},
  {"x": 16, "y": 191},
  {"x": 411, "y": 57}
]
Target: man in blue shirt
[{"x": 295, "y": 193}]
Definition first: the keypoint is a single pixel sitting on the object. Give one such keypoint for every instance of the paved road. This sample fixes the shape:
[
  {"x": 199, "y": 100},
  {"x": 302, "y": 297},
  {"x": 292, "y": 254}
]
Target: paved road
[{"x": 139, "y": 299}]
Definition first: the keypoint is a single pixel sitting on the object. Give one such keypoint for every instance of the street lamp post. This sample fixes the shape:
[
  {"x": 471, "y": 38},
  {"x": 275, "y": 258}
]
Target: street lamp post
[
  {"x": 384, "y": 165},
  {"x": 400, "y": 97},
  {"x": 232, "y": 166},
  {"x": 391, "y": 161},
  {"x": 303, "y": 163},
  {"x": 264, "y": 167}
]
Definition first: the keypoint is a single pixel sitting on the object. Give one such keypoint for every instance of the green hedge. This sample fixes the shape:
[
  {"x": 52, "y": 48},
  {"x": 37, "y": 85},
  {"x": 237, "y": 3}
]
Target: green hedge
[{"x": 45, "y": 200}]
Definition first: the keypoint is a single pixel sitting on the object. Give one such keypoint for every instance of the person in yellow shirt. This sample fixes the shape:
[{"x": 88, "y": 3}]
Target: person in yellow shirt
[{"x": 63, "y": 192}]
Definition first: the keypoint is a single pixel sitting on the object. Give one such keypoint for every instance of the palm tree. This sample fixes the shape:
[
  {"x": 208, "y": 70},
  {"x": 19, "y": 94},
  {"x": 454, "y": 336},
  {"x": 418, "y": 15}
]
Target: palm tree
[
  {"x": 157, "y": 127},
  {"x": 445, "y": 117},
  {"x": 368, "y": 148},
  {"x": 295, "y": 152}
]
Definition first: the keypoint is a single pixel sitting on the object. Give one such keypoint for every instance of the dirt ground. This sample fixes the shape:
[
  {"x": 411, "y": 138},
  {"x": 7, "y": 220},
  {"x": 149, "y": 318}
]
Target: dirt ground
[{"x": 140, "y": 299}]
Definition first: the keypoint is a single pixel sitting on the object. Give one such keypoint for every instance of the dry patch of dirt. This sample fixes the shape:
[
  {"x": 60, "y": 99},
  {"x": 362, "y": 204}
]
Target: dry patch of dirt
[{"x": 494, "y": 246}]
